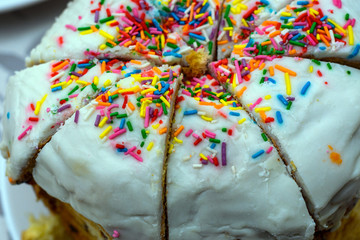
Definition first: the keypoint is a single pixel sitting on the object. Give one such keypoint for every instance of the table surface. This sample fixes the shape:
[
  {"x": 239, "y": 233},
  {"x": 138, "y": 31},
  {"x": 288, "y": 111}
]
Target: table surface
[{"x": 22, "y": 29}]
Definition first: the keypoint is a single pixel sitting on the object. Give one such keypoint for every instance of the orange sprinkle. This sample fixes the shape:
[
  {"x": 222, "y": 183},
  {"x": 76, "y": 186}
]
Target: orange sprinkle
[
  {"x": 162, "y": 130},
  {"x": 11, "y": 180},
  {"x": 173, "y": 41},
  {"x": 324, "y": 40},
  {"x": 142, "y": 35},
  {"x": 292, "y": 52},
  {"x": 241, "y": 91},
  {"x": 335, "y": 158},
  {"x": 285, "y": 70},
  {"x": 274, "y": 34},
  {"x": 262, "y": 115},
  {"x": 60, "y": 66},
  {"x": 93, "y": 28},
  {"x": 233, "y": 21},
  {"x": 222, "y": 42},
  {"x": 330, "y": 147},
  {"x": 111, "y": 42},
  {"x": 135, "y": 62},
  {"x": 157, "y": 70},
  {"x": 178, "y": 131},
  {"x": 131, "y": 106},
  {"x": 327, "y": 32},
  {"x": 103, "y": 67},
  {"x": 266, "y": 43},
  {"x": 262, "y": 66},
  {"x": 271, "y": 71},
  {"x": 222, "y": 114},
  {"x": 192, "y": 12},
  {"x": 127, "y": 44},
  {"x": 104, "y": 103}
]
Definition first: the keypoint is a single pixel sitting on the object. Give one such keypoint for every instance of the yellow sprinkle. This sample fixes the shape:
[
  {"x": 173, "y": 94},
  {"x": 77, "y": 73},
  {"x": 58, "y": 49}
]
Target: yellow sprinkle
[
  {"x": 58, "y": 85},
  {"x": 244, "y": 22},
  {"x": 219, "y": 94},
  {"x": 68, "y": 83},
  {"x": 199, "y": 15},
  {"x": 86, "y": 32},
  {"x": 311, "y": 69},
  {"x": 178, "y": 140},
  {"x": 105, "y": 132},
  {"x": 242, "y": 121},
  {"x": 351, "y": 35},
  {"x": 143, "y": 92},
  {"x": 133, "y": 89},
  {"x": 154, "y": 80},
  {"x": 165, "y": 101},
  {"x": 234, "y": 81},
  {"x": 263, "y": 109},
  {"x": 337, "y": 25},
  {"x": 314, "y": 11},
  {"x": 223, "y": 102},
  {"x": 228, "y": 28},
  {"x": 156, "y": 126},
  {"x": 285, "y": 14},
  {"x": 103, "y": 46},
  {"x": 235, "y": 108},
  {"x": 96, "y": 80},
  {"x": 106, "y": 35},
  {"x": 210, "y": 20},
  {"x": 171, "y": 148},
  {"x": 162, "y": 41},
  {"x": 209, "y": 119},
  {"x": 267, "y": 97},
  {"x": 238, "y": 47},
  {"x": 203, "y": 156},
  {"x": 103, "y": 121},
  {"x": 107, "y": 83},
  {"x": 81, "y": 82},
  {"x": 39, "y": 103},
  {"x": 149, "y": 147},
  {"x": 205, "y": 1},
  {"x": 287, "y": 84}
]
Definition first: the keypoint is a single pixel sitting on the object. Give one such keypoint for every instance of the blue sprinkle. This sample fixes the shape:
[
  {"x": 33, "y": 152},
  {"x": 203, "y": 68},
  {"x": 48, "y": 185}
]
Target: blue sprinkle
[
  {"x": 305, "y": 88},
  {"x": 192, "y": 22},
  {"x": 182, "y": 23},
  {"x": 213, "y": 145},
  {"x": 302, "y": 2},
  {"x": 322, "y": 48},
  {"x": 122, "y": 123},
  {"x": 157, "y": 25},
  {"x": 190, "y": 112},
  {"x": 177, "y": 55},
  {"x": 323, "y": 18},
  {"x": 103, "y": 89},
  {"x": 234, "y": 113},
  {"x": 8, "y": 115},
  {"x": 122, "y": 149},
  {"x": 104, "y": 60},
  {"x": 266, "y": 2},
  {"x": 110, "y": 99},
  {"x": 181, "y": 9},
  {"x": 234, "y": 104},
  {"x": 84, "y": 65},
  {"x": 296, "y": 36},
  {"x": 279, "y": 117},
  {"x": 282, "y": 99},
  {"x": 298, "y": 27},
  {"x": 251, "y": 41},
  {"x": 175, "y": 16},
  {"x": 56, "y": 89},
  {"x": 197, "y": 36},
  {"x": 258, "y": 154},
  {"x": 271, "y": 80},
  {"x": 203, "y": 9},
  {"x": 167, "y": 54},
  {"x": 332, "y": 25},
  {"x": 176, "y": 50},
  {"x": 355, "y": 52}
]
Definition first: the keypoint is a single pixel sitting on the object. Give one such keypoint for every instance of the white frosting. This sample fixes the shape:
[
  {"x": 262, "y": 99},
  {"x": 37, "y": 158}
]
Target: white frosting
[
  {"x": 237, "y": 12},
  {"x": 249, "y": 198},
  {"x": 320, "y": 50},
  {"x": 30, "y": 86},
  {"x": 79, "y": 46},
  {"x": 77, "y": 162},
  {"x": 321, "y": 124}
]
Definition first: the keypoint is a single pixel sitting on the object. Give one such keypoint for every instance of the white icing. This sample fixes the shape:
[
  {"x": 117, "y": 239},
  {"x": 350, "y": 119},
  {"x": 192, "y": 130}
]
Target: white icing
[
  {"x": 76, "y": 163},
  {"x": 327, "y": 115},
  {"x": 246, "y": 199}
]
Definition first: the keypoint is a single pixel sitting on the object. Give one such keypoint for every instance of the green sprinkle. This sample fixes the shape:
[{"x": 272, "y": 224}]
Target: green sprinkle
[
  {"x": 114, "y": 114},
  {"x": 64, "y": 99},
  {"x": 210, "y": 47},
  {"x": 129, "y": 8},
  {"x": 264, "y": 137},
  {"x": 191, "y": 41},
  {"x": 297, "y": 43},
  {"x": 317, "y": 62},
  {"x": 289, "y": 105},
  {"x": 109, "y": 45},
  {"x": 166, "y": 9},
  {"x": 164, "y": 108},
  {"x": 148, "y": 34},
  {"x": 262, "y": 80},
  {"x": 73, "y": 90},
  {"x": 264, "y": 71},
  {"x": 348, "y": 72},
  {"x": 173, "y": 46},
  {"x": 299, "y": 9},
  {"x": 338, "y": 36},
  {"x": 227, "y": 11},
  {"x": 83, "y": 28},
  {"x": 139, "y": 98},
  {"x": 313, "y": 27},
  {"x": 224, "y": 129},
  {"x": 143, "y": 133},
  {"x": 152, "y": 47},
  {"x": 115, "y": 96},
  {"x": 72, "y": 68},
  {"x": 229, "y": 22},
  {"x": 209, "y": 92},
  {"x": 329, "y": 66},
  {"x": 124, "y": 115},
  {"x": 82, "y": 89},
  {"x": 142, "y": 144},
  {"x": 214, "y": 140},
  {"x": 347, "y": 16},
  {"x": 138, "y": 104},
  {"x": 280, "y": 52},
  {"x": 102, "y": 2},
  {"x": 164, "y": 79},
  {"x": 94, "y": 87},
  {"x": 128, "y": 123},
  {"x": 287, "y": 26}
]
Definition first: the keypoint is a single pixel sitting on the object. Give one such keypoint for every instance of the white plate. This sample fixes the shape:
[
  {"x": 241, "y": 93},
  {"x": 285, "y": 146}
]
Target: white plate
[
  {"x": 18, "y": 202},
  {"x": 8, "y": 5}
]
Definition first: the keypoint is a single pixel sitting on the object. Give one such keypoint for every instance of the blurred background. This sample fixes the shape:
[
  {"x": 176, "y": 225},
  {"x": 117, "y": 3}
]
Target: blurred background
[{"x": 22, "y": 24}]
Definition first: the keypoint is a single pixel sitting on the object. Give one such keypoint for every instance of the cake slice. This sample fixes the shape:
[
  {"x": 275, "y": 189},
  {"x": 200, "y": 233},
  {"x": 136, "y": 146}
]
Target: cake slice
[
  {"x": 42, "y": 97},
  {"x": 323, "y": 29},
  {"x": 196, "y": 21},
  {"x": 240, "y": 19},
  {"x": 116, "y": 147},
  {"x": 308, "y": 109},
  {"x": 110, "y": 29},
  {"x": 225, "y": 180}
]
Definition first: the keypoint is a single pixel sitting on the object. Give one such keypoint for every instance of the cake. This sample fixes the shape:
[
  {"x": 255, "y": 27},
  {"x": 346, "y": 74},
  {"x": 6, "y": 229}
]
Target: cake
[{"x": 132, "y": 120}]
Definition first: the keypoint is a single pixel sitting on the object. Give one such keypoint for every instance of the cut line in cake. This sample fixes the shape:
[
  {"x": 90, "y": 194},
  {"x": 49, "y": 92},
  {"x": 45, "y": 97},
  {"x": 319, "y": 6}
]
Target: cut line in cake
[{"x": 305, "y": 106}]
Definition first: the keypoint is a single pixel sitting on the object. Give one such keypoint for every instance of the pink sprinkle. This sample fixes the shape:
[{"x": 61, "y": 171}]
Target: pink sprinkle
[
  {"x": 259, "y": 31},
  {"x": 24, "y": 133},
  {"x": 238, "y": 73},
  {"x": 116, "y": 234},
  {"x": 130, "y": 150},
  {"x": 210, "y": 159},
  {"x": 47, "y": 109},
  {"x": 123, "y": 42},
  {"x": 195, "y": 135},
  {"x": 99, "y": 107},
  {"x": 312, "y": 42},
  {"x": 125, "y": 19},
  {"x": 274, "y": 43},
  {"x": 147, "y": 117},
  {"x": 137, "y": 157},
  {"x": 112, "y": 106},
  {"x": 347, "y": 23},
  {"x": 117, "y": 133},
  {"x": 256, "y": 103},
  {"x": 337, "y": 3},
  {"x": 102, "y": 113},
  {"x": 71, "y": 27},
  {"x": 269, "y": 150},
  {"x": 188, "y": 133},
  {"x": 210, "y": 134},
  {"x": 73, "y": 95}
]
